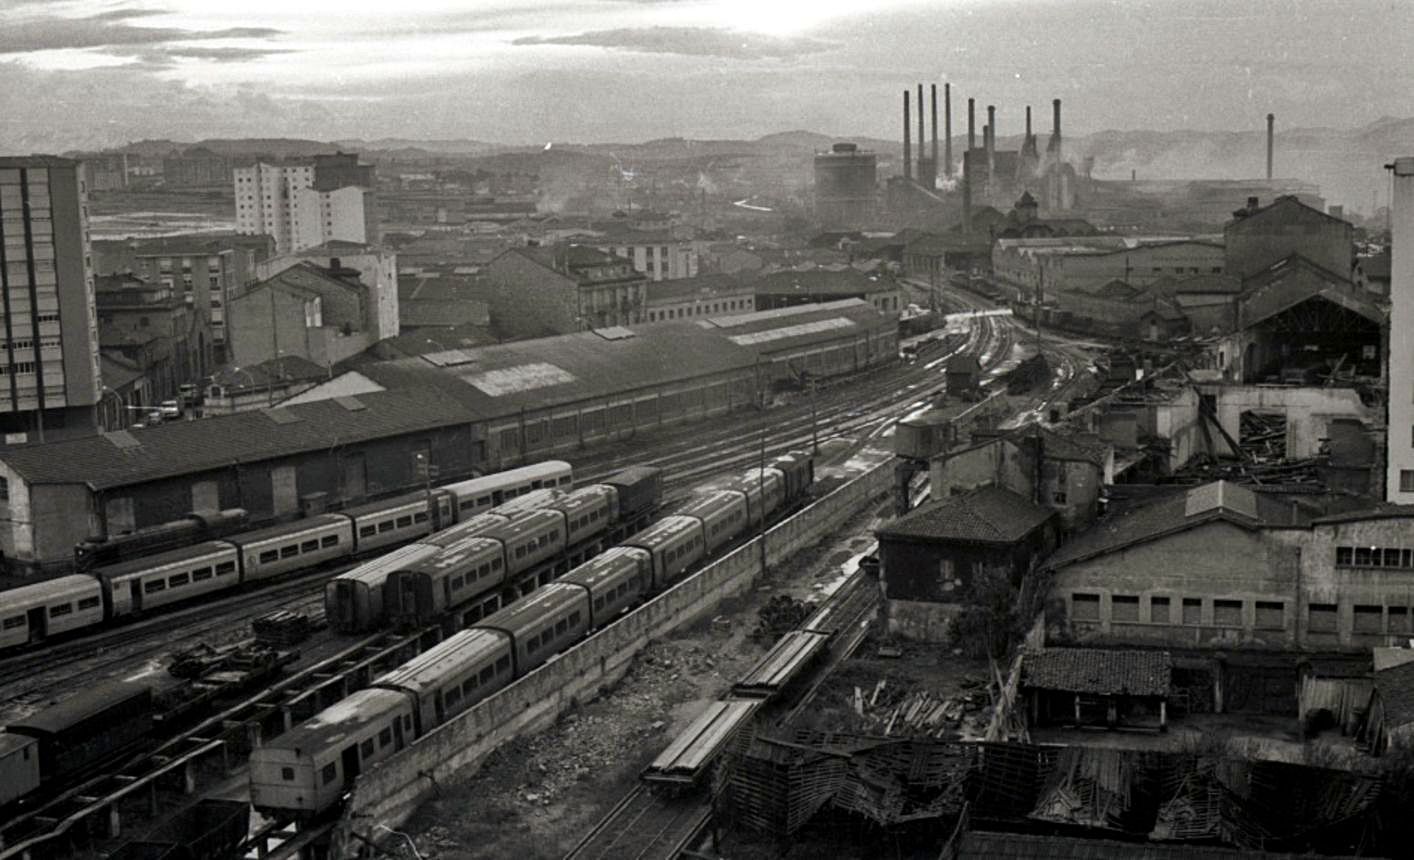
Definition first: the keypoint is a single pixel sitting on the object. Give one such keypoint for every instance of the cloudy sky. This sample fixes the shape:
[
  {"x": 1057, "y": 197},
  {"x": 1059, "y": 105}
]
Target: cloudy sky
[{"x": 89, "y": 73}]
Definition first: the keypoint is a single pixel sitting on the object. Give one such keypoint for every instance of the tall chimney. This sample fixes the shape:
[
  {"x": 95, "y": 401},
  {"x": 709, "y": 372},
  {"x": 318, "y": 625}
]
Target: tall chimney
[
  {"x": 947, "y": 130},
  {"x": 1271, "y": 123},
  {"x": 933, "y": 98},
  {"x": 919, "y": 172},
  {"x": 991, "y": 144},
  {"x": 1028, "y": 125},
  {"x": 971, "y": 124},
  {"x": 1055, "y": 144},
  {"x": 907, "y": 140}
]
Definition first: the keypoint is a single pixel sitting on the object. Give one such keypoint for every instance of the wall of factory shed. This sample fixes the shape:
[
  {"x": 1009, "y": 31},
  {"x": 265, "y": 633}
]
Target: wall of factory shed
[
  {"x": 40, "y": 523},
  {"x": 1357, "y": 582},
  {"x": 1310, "y": 412},
  {"x": 1214, "y": 585},
  {"x": 1255, "y": 241},
  {"x": 1069, "y": 487},
  {"x": 529, "y": 300}
]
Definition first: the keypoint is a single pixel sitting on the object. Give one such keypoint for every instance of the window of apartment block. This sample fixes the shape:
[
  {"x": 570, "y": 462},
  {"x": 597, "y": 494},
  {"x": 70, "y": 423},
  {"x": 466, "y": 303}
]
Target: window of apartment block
[
  {"x": 1271, "y": 615},
  {"x": 1193, "y": 610},
  {"x": 1368, "y": 619},
  {"x": 1124, "y": 607},
  {"x": 1399, "y": 619},
  {"x": 1322, "y": 618},
  {"x": 1227, "y": 613},
  {"x": 1406, "y": 480},
  {"x": 1159, "y": 610},
  {"x": 1085, "y": 607}
]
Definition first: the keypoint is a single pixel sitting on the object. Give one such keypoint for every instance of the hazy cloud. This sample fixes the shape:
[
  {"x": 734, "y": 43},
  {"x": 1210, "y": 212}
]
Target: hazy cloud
[
  {"x": 107, "y": 29},
  {"x": 690, "y": 41}
]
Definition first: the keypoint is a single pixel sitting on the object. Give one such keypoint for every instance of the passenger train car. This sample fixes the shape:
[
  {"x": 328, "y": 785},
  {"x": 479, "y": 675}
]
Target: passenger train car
[
  {"x": 306, "y": 771},
  {"x": 499, "y": 555},
  {"x": 33, "y": 613}
]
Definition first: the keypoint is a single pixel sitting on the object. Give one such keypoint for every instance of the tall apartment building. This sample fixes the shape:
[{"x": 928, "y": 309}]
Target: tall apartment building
[
  {"x": 1399, "y": 484},
  {"x": 304, "y": 203},
  {"x": 49, "y": 376}
]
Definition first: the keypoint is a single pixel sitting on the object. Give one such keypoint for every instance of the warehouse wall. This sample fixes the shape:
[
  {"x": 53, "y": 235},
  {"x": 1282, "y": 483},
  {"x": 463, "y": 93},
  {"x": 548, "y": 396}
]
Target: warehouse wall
[{"x": 392, "y": 790}]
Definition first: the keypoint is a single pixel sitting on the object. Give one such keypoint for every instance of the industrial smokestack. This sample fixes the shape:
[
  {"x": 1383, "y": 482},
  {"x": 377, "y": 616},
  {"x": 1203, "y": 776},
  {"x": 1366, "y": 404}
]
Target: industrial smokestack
[
  {"x": 971, "y": 124},
  {"x": 947, "y": 130},
  {"x": 1028, "y": 124},
  {"x": 1271, "y": 124},
  {"x": 991, "y": 143},
  {"x": 907, "y": 140},
  {"x": 1055, "y": 144},
  {"x": 921, "y": 156},
  {"x": 933, "y": 97}
]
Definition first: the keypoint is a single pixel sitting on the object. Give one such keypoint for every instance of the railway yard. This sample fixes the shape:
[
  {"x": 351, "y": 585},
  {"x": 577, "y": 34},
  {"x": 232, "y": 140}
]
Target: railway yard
[{"x": 573, "y": 788}]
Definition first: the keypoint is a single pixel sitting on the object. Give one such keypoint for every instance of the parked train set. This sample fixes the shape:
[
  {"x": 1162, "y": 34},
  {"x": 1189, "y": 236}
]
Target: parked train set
[
  {"x": 307, "y": 770},
  {"x": 112, "y": 593}
]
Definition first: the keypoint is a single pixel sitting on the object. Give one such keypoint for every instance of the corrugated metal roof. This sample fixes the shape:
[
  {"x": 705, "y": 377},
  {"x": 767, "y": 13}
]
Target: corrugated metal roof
[
  {"x": 521, "y": 378},
  {"x": 813, "y": 327}
]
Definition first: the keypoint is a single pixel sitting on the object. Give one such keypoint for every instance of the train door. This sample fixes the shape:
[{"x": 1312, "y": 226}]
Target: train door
[
  {"x": 397, "y": 732},
  {"x": 439, "y": 707},
  {"x": 135, "y": 594},
  {"x": 351, "y": 763},
  {"x": 38, "y": 620}
]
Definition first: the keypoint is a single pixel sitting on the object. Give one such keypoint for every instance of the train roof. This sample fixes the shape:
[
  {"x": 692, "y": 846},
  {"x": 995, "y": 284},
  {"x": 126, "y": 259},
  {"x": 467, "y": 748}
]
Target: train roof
[
  {"x": 535, "y": 499},
  {"x": 386, "y": 504},
  {"x": 709, "y": 503},
  {"x": 522, "y": 523},
  {"x": 64, "y": 586},
  {"x": 529, "y": 610},
  {"x": 665, "y": 529},
  {"x": 68, "y": 712},
  {"x": 336, "y": 722},
  {"x": 610, "y": 563},
  {"x": 535, "y": 471},
  {"x": 457, "y": 651},
  {"x": 457, "y": 552},
  {"x": 585, "y": 495},
  {"x": 319, "y": 521},
  {"x": 195, "y": 552},
  {"x": 379, "y": 568},
  {"x": 11, "y": 742},
  {"x": 634, "y": 475}
]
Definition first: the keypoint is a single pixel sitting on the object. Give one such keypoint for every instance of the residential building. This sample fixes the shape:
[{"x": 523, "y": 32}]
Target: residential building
[
  {"x": 702, "y": 296},
  {"x": 241, "y": 388},
  {"x": 442, "y": 301},
  {"x": 105, "y": 171},
  {"x": 1399, "y": 483},
  {"x": 125, "y": 396},
  {"x": 657, "y": 255},
  {"x": 49, "y": 374},
  {"x": 303, "y": 203},
  {"x": 155, "y": 329},
  {"x": 377, "y": 270},
  {"x": 319, "y": 314},
  {"x": 541, "y": 291},
  {"x": 1055, "y": 265},
  {"x": 1258, "y": 236},
  {"x": 196, "y": 167},
  {"x": 789, "y": 288}
]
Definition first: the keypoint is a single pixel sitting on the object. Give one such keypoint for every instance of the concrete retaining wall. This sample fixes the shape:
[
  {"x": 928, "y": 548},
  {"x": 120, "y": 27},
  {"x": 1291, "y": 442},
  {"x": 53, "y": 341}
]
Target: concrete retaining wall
[{"x": 391, "y": 791}]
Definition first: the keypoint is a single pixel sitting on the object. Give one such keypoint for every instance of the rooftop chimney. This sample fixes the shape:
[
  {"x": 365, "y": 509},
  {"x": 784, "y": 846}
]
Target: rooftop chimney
[
  {"x": 947, "y": 130},
  {"x": 971, "y": 124},
  {"x": 1271, "y": 122},
  {"x": 933, "y": 99},
  {"x": 907, "y": 140}
]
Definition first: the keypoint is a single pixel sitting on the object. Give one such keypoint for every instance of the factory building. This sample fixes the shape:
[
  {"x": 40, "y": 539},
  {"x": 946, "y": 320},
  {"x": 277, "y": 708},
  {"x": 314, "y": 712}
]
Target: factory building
[
  {"x": 1258, "y": 236},
  {"x": 466, "y": 412},
  {"x": 846, "y": 186}
]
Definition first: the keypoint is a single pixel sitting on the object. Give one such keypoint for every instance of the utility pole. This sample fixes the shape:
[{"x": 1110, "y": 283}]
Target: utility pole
[
  {"x": 814, "y": 433},
  {"x": 761, "y": 470}
]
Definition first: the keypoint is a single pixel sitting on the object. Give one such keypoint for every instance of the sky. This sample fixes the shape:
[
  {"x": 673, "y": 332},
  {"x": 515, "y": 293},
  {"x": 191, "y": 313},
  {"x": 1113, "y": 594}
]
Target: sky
[{"x": 83, "y": 74}]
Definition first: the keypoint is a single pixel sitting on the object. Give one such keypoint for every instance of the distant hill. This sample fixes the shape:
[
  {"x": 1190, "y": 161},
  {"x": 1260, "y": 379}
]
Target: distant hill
[{"x": 441, "y": 147}]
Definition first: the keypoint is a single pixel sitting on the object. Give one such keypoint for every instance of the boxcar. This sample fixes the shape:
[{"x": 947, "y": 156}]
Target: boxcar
[
  {"x": 542, "y": 624},
  {"x": 353, "y": 600},
  {"x": 723, "y": 516},
  {"x": 798, "y": 469},
  {"x": 294, "y": 546},
  {"x": 615, "y": 581},
  {"x": 393, "y": 521},
  {"x": 141, "y": 584},
  {"x": 422, "y": 590},
  {"x": 674, "y": 544},
  {"x": 482, "y": 494},
  {"x": 449, "y": 678},
  {"x": 88, "y": 727},
  {"x": 307, "y": 769},
  {"x": 640, "y": 489},
  {"x": 19, "y": 766},
  {"x": 34, "y": 612}
]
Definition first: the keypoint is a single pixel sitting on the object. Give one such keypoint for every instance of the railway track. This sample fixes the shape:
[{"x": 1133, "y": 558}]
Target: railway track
[{"x": 645, "y": 824}]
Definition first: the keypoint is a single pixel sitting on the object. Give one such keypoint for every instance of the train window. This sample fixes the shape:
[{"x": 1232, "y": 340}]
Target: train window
[
  {"x": 404, "y": 522},
  {"x": 457, "y": 583},
  {"x": 154, "y": 585},
  {"x": 467, "y": 503},
  {"x": 200, "y": 574},
  {"x": 574, "y": 618},
  {"x": 496, "y": 564},
  {"x": 420, "y": 517},
  {"x": 407, "y": 722},
  {"x": 225, "y": 567},
  {"x": 179, "y": 580},
  {"x": 469, "y": 686},
  {"x": 328, "y": 541},
  {"x": 365, "y": 749},
  {"x": 598, "y": 603},
  {"x": 289, "y": 551},
  {"x": 532, "y": 644},
  {"x": 487, "y": 674},
  {"x": 269, "y": 556},
  {"x": 61, "y": 609},
  {"x": 385, "y": 737},
  {"x": 368, "y": 531},
  {"x": 520, "y": 552},
  {"x": 309, "y": 546},
  {"x": 453, "y": 696},
  {"x": 330, "y": 773},
  {"x": 561, "y": 626},
  {"x": 544, "y": 540},
  {"x": 503, "y": 664},
  {"x": 12, "y": 622},
  {"x": 88, "y": 603},
  {"x": 287, "y": 774},
  {"x": 594, "y": 515},
  {"x": 385, "y": 526}
]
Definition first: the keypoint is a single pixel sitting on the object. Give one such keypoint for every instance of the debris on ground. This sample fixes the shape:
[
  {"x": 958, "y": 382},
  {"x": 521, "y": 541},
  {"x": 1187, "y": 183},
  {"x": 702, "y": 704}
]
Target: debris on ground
[{"x": 779, "y": 616}]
